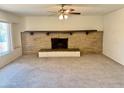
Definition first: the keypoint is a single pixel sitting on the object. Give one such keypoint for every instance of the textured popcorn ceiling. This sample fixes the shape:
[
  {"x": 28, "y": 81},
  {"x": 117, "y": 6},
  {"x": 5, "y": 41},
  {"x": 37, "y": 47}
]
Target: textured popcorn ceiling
[{"x": 45, "y": 9}]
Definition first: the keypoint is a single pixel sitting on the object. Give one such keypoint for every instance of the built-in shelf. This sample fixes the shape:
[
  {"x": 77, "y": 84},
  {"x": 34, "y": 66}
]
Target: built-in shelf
[{"x": 64, "y": 31}]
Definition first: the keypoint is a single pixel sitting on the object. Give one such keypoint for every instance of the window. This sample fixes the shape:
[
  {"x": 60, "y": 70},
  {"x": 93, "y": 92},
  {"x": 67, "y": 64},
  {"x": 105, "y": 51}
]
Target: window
[{"x": 5, "y": 38}]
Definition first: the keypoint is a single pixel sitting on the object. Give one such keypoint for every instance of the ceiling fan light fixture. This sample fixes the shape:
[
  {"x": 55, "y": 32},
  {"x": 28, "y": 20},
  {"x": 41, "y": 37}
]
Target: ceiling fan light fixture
[
  {"x": 61, "y": 17},
  {"x": 65, "y": 17}
]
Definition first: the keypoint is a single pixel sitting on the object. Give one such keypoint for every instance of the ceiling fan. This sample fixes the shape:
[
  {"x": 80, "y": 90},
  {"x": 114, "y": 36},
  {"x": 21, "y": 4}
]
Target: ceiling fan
[
  {"x": 63, "y": 12},
  {"x": 68, "y": 11}
]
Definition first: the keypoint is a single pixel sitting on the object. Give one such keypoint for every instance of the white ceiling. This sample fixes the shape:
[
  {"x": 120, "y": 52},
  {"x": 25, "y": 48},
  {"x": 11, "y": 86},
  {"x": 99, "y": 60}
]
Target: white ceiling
[{"x": 45, "y": 9}]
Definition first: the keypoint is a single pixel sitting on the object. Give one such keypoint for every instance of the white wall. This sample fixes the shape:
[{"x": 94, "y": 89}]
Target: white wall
[
  {"x": 113, "y": 39},
  {"x": 17, "y": 27},
  {"x": 72, "y": 23}
]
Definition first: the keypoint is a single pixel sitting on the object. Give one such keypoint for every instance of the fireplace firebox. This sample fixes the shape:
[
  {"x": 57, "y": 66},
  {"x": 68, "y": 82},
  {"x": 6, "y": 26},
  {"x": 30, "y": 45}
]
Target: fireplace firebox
[{"x": 59, "y": 43}]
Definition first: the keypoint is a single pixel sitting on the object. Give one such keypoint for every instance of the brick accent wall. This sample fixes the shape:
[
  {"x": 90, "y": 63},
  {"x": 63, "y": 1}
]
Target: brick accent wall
[{"x": 91, "y": 43}]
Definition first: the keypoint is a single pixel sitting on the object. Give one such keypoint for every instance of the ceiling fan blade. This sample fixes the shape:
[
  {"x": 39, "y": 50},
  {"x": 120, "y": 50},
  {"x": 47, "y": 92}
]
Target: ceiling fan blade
[
  {"x": 52, "y": 15},
  {"x": 75, "y": 13},
  {"x": 71, "y": 9},
  {"x": 52, "y": 11}
]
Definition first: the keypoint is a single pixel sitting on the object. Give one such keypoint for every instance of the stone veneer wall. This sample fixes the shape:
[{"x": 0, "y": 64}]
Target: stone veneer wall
[{"x": 91, "y": 43}]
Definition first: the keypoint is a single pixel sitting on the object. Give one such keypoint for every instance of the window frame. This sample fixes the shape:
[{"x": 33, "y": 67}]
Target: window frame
[{"x": 10, "y": 43}]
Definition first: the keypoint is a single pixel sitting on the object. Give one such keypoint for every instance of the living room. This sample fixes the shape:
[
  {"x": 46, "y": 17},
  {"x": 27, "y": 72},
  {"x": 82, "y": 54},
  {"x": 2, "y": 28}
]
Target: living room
[{"x": 65, "y": 45}]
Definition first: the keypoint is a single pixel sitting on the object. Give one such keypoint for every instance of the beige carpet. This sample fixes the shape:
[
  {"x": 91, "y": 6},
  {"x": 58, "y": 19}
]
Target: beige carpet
[{"x": 87, "y": 71}]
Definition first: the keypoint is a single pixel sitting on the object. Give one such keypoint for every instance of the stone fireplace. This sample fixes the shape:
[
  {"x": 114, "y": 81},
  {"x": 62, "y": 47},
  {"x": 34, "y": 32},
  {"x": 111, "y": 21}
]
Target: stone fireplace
[
  {"x": 59, "y": 43},
  {"x": 87, "y": 43}
]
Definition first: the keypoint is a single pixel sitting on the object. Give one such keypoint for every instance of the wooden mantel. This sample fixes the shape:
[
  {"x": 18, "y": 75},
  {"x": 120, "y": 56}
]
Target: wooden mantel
[{"x": 62, "y": 31}]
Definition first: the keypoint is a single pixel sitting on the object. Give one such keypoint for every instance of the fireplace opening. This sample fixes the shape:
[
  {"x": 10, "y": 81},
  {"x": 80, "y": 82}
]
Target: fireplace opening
[{"x": 59, "y": 43}]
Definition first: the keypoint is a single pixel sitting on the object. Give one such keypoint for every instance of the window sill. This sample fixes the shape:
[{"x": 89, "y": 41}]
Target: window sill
[{"x": 4, "y": 53}]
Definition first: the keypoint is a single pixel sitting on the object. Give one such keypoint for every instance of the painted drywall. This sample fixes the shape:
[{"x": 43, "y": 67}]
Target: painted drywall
[
  {"x": 17, "y": 27},
  {"x": 72, "y": 23},
  {"x": 113, "y": 38},
  {"x": 4, "y": 60},
  {"x": 9, "y": 17}
]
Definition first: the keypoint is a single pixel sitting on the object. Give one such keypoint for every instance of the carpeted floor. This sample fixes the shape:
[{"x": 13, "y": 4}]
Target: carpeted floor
[{"x": 87, "y": 71}]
